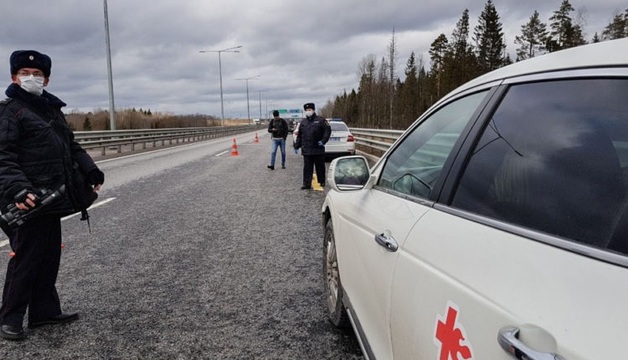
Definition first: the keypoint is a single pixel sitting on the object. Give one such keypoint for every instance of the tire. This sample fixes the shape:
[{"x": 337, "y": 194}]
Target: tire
[{"x": 334, "y": 293}]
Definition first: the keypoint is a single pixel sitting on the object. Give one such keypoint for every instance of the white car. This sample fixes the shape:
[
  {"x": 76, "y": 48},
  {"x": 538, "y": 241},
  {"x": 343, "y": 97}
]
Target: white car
[
  {"x": 496, "y": 226},
  {"x": 341, "y": 141}
]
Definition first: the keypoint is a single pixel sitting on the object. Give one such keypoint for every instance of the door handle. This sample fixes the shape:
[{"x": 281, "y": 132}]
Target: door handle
[
  {"x": 387, "y": 241},
  {"x": 509, "y": 341}
]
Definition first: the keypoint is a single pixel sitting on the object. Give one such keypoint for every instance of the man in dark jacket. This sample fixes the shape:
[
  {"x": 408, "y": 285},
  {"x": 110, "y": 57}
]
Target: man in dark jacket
[
  {"x": 314, "y": 132},
  {"x": 278, "y": 128},
  {"x": 37, "y": 151}
]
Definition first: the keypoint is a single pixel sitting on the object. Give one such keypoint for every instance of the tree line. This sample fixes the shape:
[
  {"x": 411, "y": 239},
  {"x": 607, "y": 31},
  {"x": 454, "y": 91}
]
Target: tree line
[
  {"x": 127, "y": 119},
  {"x": 383, "y": 100}
]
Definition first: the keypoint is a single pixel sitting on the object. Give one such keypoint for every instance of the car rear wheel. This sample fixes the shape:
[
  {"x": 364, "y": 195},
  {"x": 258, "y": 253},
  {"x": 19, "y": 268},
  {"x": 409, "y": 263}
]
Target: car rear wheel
[{"x": 333, "y": 287}]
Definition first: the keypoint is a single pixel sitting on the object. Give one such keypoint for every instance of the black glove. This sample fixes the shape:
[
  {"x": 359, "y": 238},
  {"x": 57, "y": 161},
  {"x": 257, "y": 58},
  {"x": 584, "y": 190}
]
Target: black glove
[
  {"x": 23, "y": 195},
  {"x": 96, "y": 177}
]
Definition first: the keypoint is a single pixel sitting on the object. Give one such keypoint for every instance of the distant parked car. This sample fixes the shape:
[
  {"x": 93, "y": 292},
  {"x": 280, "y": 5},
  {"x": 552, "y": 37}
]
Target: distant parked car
[
  {"x": 496, "y": 226},
  {"x": 341, "y": 141}
]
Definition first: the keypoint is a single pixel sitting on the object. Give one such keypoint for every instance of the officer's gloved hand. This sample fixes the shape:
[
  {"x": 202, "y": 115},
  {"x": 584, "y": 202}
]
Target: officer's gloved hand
[
  {"x": 320, "y": 143},
  {"x": 28, "y": 197},
  {"x": 96, "y": 177}
]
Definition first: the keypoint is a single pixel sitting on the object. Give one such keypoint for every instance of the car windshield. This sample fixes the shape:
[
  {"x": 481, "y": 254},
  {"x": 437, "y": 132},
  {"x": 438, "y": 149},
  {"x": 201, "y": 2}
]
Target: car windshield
[{"x": 338, "y": 126}]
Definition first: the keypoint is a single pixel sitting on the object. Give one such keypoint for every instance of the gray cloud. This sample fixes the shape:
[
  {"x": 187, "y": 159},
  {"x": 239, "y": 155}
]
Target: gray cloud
[{"x": 303, "y": 50}]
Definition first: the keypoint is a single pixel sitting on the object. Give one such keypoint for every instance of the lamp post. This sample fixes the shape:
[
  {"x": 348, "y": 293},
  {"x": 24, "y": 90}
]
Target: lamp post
[
  {"x": 231, "y": 49},
  {"x": 261, "y": 113},
  {"x": 248, "y": 109},
  {"x": 260, "y": 105},
  {"x": 112, "y": 110}
]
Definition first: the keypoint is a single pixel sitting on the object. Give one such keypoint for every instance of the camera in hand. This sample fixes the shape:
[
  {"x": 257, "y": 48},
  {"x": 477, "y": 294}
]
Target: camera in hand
[{"x": 16, "y": 217}]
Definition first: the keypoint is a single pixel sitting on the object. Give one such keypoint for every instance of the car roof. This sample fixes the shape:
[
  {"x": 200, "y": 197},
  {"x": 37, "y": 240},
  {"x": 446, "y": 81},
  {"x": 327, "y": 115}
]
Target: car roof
[{"x": 611, "y": 53}]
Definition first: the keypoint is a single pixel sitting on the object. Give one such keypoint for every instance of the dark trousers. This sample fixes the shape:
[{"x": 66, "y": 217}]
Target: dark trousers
[
  {"x": 309, "y": 161},
  {"x": 32, "y": 272}
]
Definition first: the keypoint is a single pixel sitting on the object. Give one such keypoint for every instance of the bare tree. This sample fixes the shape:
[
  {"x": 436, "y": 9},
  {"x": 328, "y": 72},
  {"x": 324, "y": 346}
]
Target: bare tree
[
  {"x": 366, "y": 91},
  {"x": 392, "y": 66}
]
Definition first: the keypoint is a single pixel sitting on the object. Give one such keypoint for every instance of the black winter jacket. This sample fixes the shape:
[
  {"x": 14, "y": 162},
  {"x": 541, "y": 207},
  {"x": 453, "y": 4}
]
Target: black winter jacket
[
  {"x": 37, "y": 148},
  {"x": 282, "y": 128},
  {"x": 311, "y": 131}
]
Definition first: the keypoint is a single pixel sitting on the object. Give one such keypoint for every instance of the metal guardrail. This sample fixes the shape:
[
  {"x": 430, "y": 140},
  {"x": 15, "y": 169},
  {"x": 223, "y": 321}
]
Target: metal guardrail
[
  {"x": 117, "y": 139},
  {"x": 373, "y": 143}
]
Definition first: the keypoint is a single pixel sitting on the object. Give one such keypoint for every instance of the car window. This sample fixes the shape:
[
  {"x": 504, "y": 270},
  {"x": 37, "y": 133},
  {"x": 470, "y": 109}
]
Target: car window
[
  {"x": 416, "y": 163},
  {"x": 554, "y": 158},
  {"x": 338, "y": 126}
]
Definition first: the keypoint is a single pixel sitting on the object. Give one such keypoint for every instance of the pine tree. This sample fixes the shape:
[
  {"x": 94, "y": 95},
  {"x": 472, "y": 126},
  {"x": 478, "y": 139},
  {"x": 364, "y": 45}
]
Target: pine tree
[
  {"x": 381, "y": 100},
  {"x": 438, "y": 51},
  {"x": 87, "y": 124},
  {"x": 533, "y": 38},
  {"x": 489, "y": 39},
  {"x": 618, "y": 28},
  {"x": 367, "y": 92},
  {"x": 408, "y": 95},
  {"x": 425, "y": 97},
  {"x": 564, "y": 33},
  {"x": 463, "y": 64}
]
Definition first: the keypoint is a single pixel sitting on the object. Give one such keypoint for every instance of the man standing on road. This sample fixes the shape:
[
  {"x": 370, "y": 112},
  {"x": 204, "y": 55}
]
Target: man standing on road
[
  {"x": 278, "y": 128},
  {"x": 37, "y": 151},
  {"x": 314, "y": 132}
]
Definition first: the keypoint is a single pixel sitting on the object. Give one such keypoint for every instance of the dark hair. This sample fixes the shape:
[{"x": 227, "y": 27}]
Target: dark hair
[{"x": 275, "y": 113}]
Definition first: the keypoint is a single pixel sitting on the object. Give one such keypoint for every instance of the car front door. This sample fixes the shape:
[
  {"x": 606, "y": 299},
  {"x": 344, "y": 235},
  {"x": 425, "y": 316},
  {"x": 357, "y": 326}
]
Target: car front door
[{"x": 372, "y": 224}]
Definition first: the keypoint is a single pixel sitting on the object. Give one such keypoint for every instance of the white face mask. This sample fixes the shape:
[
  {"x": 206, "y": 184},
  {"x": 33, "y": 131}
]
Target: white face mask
[
  {"x": 32, "y": 84},
  {"x": 309, "y": 113}
]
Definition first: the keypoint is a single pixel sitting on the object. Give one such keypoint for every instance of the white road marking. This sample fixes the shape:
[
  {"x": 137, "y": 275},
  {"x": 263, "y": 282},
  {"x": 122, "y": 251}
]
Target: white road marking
[
  {"x": 91, "y": 207},
  {"x": 4, "y": 243}
]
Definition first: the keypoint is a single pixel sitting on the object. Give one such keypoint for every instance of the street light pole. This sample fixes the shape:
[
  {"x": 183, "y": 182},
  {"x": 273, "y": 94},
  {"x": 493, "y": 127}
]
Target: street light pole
[
  {"x": 231, "y": 49},
  {"x": 260, "y": 105},
  {"x": 112, "y": 110},
  {"x": 248, "y": 109}
]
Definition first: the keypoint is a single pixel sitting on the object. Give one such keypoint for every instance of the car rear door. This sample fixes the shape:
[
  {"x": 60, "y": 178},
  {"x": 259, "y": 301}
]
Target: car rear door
[
  {"x": 458, "y": 283},
  {"x": 527, "y": 253}
]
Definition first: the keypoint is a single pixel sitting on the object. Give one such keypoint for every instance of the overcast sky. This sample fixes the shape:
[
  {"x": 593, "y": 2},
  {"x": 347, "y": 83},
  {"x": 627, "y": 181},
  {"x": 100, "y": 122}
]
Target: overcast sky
[{"x": 302, "y": 50}]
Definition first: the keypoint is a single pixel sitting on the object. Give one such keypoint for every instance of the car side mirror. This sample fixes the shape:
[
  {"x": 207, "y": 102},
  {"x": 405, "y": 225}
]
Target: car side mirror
[{"x": 348, "y": 173}]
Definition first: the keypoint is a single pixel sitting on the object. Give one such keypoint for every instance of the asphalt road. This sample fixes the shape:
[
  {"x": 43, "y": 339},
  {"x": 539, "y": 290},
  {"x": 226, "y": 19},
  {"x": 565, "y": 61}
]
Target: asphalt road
[{"x": 193, "y": 254}]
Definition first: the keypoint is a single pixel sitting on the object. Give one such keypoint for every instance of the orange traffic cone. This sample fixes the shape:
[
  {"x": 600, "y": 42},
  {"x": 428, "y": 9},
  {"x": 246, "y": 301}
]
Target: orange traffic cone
[
  {"x": 256, "y": 139},
  {"x": 234, "y": 148}
]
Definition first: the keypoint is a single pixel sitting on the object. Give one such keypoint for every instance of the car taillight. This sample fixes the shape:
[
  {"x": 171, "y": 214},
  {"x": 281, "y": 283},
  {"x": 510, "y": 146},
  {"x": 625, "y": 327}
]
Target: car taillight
[{"x": 350, "y": 138}]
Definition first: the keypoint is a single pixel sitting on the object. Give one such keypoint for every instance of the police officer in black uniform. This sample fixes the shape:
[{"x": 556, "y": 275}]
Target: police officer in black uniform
[
  {"x": 37, "y": 151},
  {"x": 314, "y": 132}
]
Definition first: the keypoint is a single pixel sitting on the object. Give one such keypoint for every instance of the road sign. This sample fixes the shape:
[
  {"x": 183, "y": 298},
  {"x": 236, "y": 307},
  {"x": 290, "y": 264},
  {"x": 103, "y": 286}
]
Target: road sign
[{"x": 290, "y": 113}]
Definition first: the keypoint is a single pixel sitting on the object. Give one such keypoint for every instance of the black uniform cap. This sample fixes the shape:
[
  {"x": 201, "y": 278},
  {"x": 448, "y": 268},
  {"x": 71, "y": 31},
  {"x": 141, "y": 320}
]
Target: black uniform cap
[{"x": 30, "y": 59}]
